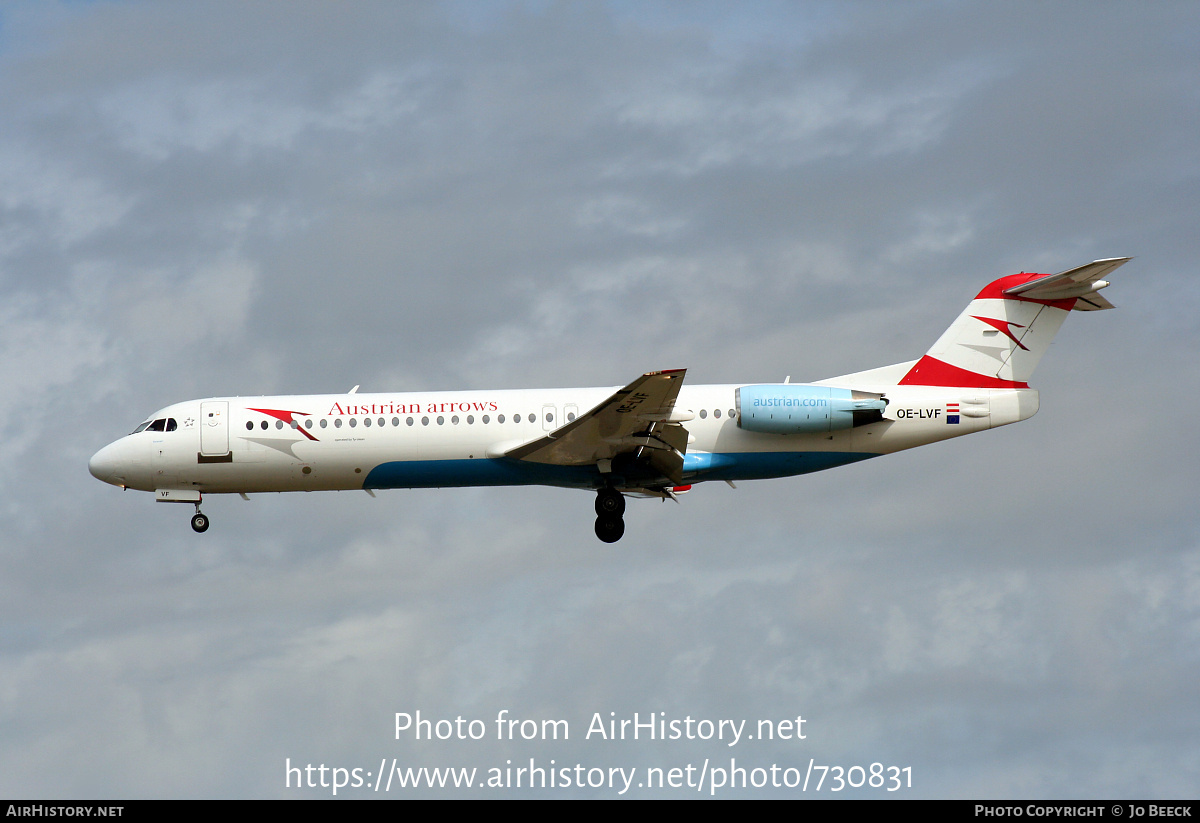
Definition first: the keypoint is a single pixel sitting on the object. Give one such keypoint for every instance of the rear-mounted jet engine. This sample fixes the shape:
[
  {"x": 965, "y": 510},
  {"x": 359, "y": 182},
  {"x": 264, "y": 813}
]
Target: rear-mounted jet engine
[{"x": 787, "y": 408}]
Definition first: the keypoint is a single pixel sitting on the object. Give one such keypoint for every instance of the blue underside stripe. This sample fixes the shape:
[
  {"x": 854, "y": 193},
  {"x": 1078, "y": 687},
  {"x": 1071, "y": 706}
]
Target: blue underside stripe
[{"x": 412, "y": 474}]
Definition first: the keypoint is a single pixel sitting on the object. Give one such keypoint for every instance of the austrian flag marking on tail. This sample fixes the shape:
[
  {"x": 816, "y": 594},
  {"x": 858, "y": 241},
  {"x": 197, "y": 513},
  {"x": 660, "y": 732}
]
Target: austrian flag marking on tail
[{"x": 951, "y": 413}]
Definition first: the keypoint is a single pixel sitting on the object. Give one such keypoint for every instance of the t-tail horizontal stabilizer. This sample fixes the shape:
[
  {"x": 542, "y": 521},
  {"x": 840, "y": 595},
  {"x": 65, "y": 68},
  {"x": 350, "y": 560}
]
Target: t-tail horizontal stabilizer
[{"x": 1082, "y": 282}]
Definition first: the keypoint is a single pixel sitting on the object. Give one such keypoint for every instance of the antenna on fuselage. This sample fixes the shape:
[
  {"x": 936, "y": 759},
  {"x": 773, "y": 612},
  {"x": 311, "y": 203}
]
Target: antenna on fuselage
[{"x": 353, "y": 390}]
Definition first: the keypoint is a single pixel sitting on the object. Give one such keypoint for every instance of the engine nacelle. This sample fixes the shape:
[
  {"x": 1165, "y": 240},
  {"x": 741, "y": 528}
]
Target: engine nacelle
[{"x": 797, "y": 408}]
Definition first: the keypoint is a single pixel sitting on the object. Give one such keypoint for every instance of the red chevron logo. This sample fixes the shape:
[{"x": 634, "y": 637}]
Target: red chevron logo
[{"x": 1002, "y": 326}]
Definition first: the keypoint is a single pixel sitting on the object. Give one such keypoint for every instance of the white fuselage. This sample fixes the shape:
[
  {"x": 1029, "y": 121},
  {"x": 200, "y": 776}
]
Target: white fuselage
[{"x": 428, "y": 439}]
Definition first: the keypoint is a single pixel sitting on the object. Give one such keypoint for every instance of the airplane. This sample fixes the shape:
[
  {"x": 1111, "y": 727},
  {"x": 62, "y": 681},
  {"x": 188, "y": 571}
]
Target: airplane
[{"x": 654, "y": 437}]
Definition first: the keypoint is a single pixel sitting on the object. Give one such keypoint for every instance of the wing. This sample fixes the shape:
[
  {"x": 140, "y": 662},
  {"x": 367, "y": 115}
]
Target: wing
[
  {"x": 1082, "y": 282},
  {"x": 638, "y": 420}
]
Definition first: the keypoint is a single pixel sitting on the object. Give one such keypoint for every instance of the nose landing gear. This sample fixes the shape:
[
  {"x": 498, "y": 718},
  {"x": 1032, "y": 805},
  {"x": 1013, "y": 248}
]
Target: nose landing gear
[
  {"x": 610, "y": 506},
  {"x": 193, "y": 496},
  {"x": 199, "y": 521}
]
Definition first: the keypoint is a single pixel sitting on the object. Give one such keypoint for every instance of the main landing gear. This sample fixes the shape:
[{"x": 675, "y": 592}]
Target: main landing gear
[
  {"x": 199, "y": 521},
  {"x": 610, "y": 506}
]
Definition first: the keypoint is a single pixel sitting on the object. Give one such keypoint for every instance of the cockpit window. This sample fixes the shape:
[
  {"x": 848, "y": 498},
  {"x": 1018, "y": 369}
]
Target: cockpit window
[{"x": 163, "y": 424}]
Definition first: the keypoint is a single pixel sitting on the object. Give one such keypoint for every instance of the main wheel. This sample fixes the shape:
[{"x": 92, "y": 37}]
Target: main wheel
[
  {"x": 610, "y": 503},
  {"x": 609, "y": 529},
  {"x": 199, "y": 523}
]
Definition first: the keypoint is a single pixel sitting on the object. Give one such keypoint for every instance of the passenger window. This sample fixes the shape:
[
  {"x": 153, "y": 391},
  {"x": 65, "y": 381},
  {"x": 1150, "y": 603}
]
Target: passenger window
[
  {"x": 324, "y": 422},
  {"x": 499, "y": 418},
  {"x": 367, "y": 422},
  {"x": 454, "y": 419},
  {"x": 486, "y": 419},
  {"x": 470, "y": 419},
  {"x": 717, "y": 414},
  {"x": 264, "y": 425},
  {"x": 249, "y": 425},
  {"x": 308, "y": 423},
  {"x": 353, "y": 422},
  {"x": 337, "y": 422},
  {"x": 703, "y": 414}
]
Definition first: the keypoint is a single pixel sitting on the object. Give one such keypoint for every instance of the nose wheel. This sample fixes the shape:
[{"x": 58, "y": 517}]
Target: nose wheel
[
  {"x": 610, "y": 506},
  {"x": 199, "y": 521}
]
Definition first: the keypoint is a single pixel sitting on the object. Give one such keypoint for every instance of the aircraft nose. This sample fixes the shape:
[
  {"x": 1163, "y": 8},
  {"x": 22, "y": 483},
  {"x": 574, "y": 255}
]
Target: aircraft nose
[{"x": 103, "y": 464}]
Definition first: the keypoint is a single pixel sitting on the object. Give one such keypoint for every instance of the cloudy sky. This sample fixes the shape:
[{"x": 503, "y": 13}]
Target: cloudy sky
[{"x": 230, "y": 198}]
